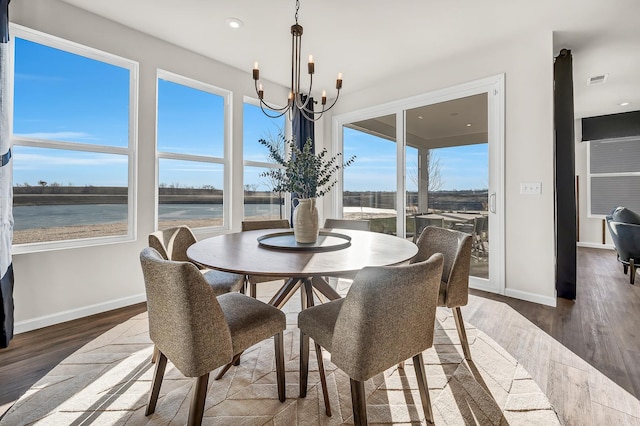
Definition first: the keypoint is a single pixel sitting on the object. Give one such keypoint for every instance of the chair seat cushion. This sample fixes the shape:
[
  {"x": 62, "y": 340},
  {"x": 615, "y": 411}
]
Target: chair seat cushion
[
  {"x": 250, "y": 321},
  {"x": 223, "y": 282},
  {"x": 319, "y": 321}
]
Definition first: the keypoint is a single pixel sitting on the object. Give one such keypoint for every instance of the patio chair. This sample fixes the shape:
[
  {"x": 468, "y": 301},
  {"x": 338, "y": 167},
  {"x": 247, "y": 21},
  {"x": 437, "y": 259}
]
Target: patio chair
[
  {"x": 199, "y": 331},
  {"x": 358, "y": 225},
  {"x": 387, "y": 317},
  {"x": 455, "y": 246}
]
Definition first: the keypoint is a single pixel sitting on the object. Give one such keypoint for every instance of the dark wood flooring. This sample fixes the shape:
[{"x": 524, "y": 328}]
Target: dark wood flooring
[{"x": 602, "y": 327}]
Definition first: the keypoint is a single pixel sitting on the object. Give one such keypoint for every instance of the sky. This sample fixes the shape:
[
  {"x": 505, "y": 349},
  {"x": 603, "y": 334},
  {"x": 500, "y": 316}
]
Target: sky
[{"x": 76, "y": 99}]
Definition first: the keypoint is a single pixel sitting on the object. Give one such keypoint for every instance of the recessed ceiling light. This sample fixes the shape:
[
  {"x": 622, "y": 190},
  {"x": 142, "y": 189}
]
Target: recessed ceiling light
[
  {"x": 624, "y": 103},
  {"x": 468, "y": 124},
  {"x": 234, "y": 23},
  {"x": 420, "y": 117}
]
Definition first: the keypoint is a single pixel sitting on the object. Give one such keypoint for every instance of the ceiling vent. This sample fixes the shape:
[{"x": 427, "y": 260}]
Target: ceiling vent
[{"x": 598, "y": 79}]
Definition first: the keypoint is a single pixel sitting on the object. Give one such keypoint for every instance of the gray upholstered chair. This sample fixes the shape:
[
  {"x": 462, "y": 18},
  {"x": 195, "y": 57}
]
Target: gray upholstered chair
[
  {"x": 624, "y": 227},
  {"x": 455, "y": 246},
  {"x": 253, "y": 225},
  {"x": 172, "y": 244},
  {"x": 387, "y": 317},
  {"x": 358, "y": 225},
  {"x": 422, "y": 220},
  {"x": 199, "y": 332}
]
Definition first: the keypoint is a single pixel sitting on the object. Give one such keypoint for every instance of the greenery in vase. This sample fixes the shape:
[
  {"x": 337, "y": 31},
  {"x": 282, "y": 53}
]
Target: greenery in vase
[{"x": 304, "y": 173}]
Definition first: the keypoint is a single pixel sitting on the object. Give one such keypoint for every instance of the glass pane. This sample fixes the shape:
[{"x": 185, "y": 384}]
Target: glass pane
[
  {"x": 190, "y": 193},
  {"x": 190, "y": 121},
  {"x": 66, "y": 195},
  {"x": 67, "y": 97},
  {"x": 260, "y": 202},
  {"x": 447, "y": 170},
  {"x": 257, "y": 126},
  {"x": 370, "y": 182}
]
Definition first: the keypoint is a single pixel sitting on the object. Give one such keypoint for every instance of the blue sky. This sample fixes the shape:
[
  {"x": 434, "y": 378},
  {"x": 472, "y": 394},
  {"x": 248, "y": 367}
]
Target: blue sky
[{"x": 76, "y": 99}]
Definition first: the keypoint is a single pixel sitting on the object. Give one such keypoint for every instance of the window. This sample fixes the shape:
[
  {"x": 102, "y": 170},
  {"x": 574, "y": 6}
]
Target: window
[
  {"x": 614, "y": 175},
  {"x": 192, "y": 142},
  {"x": 73, "y": 143},
  {"x": 260, "y": 202}
]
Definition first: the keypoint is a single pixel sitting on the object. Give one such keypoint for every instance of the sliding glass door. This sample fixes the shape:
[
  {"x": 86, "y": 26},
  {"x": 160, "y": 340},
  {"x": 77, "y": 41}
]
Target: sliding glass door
[{"x": 432, "y": 160}]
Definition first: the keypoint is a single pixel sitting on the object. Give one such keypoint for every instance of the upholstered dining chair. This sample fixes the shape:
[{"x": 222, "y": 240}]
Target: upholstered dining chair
[
  {"x": 387, "y": 316},
  {"x": 199, "y": 331},
  {"x": 253, "y": 225},
  {"x": 172, "y": 244},
  {"x": 455, "y": 246},
  {"x": 358, "y": 225}
]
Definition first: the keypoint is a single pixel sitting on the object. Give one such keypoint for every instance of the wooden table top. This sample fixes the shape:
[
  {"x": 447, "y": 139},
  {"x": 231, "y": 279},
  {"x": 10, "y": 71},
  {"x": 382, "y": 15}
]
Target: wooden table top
[{"x": 240, "y": 253}]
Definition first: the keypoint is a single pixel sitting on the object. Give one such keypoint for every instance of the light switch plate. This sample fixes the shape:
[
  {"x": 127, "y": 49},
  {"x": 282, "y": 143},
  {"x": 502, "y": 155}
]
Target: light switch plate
[{"x": 531, "y": 188}]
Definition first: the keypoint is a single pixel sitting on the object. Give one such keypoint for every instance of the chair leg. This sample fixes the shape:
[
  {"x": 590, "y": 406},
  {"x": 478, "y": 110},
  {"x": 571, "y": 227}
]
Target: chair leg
[
  {"x": 462, "y": 333},
  {"x": 632, "y": 266},
  {"x": 625, "y": 269},
  {"x": 278, "y": 341},
  {"x": 304, "y": 363},
  {"x": 196, "y": 411},
  {"x": 423, "y": 387},
  {"x": 234, "y": 361},
  {"x": 154, "y": 357},
  {"x": 252, "y": 290},
  {"x": 323, "y": 380},
  {"x": 359, "y": 402},
  {"x": 161, "y": 364}
]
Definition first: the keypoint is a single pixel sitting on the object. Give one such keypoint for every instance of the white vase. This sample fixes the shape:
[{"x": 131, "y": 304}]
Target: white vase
[{"x": 305, "y": 221}]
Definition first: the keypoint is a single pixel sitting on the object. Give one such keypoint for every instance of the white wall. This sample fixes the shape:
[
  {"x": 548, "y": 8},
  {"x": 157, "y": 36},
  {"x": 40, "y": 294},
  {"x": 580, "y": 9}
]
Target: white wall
[
  {"x": 528, "y": 64},
  {"x": 55, "y": 286}
]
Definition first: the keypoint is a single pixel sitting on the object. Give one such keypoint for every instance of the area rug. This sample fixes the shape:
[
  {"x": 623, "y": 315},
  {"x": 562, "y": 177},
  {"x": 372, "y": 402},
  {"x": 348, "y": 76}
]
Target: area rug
[{"x": 107, "y": 382}]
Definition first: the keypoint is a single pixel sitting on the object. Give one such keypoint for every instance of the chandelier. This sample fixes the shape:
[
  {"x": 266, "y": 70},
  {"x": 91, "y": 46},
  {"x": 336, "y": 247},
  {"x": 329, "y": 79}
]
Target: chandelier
[{"x": 301, "y": 101}]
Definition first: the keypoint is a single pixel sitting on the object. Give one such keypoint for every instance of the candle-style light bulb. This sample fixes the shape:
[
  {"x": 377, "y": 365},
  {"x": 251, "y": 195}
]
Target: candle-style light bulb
[
  {"x": 339, "y": 81},
  {"x": 311, "y": 65},
  {"x": 256, "y": 71},
  {"x": 260, "y": 92},
  {"x": 324, "y": 97}
]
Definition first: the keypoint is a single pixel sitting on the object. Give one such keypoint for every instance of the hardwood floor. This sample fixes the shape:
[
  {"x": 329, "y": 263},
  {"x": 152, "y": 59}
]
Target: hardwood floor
[{"x": 583, "y": 354}]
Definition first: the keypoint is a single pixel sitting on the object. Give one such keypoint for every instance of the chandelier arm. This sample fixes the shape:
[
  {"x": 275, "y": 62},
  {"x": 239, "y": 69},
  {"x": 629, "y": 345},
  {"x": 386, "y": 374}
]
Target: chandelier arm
[
  {"x": 266, "y": 111},
  {"x": 262, "y": 101},
  {"x": 305, "y": 113}
]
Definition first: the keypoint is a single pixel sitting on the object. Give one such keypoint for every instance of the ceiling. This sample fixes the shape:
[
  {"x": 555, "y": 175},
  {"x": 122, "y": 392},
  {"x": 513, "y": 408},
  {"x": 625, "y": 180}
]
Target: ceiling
[{"x": 367, "y": 39}]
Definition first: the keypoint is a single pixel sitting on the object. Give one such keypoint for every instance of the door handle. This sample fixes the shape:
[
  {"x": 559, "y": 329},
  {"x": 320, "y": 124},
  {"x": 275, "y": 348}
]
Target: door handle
[{"x": 492, "y": 202}]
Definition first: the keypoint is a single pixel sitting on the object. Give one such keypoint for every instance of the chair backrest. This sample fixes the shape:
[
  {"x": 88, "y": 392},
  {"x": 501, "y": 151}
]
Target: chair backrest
[
  {"x": 172, "y": 243},
  {"x": 358, "y": 225},
  {"x": 422, "y": 222},
  {"x": 252, "y": 225},
  {"x": 455, "y": 246},
  {"x": 370, "y": 336},
  {"x": 626, "y": 239},
  {"x": 186, "y": 321}
]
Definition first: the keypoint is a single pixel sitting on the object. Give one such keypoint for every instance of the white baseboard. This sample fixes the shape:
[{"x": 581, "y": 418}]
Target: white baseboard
[
  {"x": 530, "y": 297},
  {"x": 596, "y": 245},
  {"x": 85, "y": 311}
]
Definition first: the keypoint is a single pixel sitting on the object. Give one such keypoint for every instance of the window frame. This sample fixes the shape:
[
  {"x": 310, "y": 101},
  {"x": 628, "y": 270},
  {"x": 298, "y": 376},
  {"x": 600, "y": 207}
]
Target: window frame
[
  {"x": 288, "y": 131},
  {"x": 226, "y": 162},
  {"x": 131, "y": 150},
  {"x": 591, "y": 175}
]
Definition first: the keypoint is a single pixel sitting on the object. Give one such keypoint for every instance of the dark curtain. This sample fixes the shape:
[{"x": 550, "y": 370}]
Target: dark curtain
[
  {"x": 6, "y": 187},
  {"x": 565, "y": 194},
  {"x": 302, "y": 128}
]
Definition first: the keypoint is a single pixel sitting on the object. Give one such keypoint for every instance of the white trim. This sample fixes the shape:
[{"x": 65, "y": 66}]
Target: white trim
[
  {"x": 130, "y": 150},
  {"x": 531, "y": 297},
  {"x": 72, "y": 314},
  {"x": 227, "y": 151},
  {"x": 596, "y": 245}
]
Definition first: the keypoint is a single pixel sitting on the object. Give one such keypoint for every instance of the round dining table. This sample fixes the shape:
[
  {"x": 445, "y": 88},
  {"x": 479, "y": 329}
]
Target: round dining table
[{"x": 242, "y": 253}]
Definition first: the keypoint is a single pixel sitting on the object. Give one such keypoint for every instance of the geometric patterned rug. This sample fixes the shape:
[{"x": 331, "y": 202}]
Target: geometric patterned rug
[{"x": 107, "y": 382}]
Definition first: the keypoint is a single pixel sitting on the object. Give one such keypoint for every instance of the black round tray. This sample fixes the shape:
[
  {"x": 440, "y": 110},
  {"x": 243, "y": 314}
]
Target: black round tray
[{"x": 327, "y": 241}]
